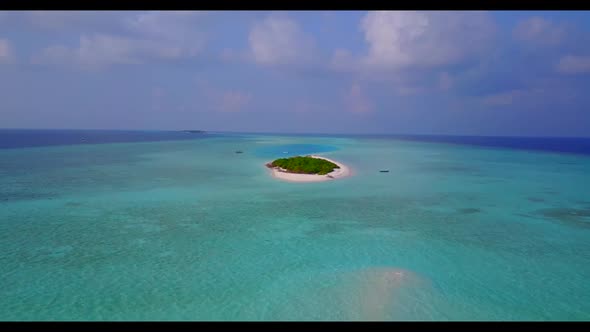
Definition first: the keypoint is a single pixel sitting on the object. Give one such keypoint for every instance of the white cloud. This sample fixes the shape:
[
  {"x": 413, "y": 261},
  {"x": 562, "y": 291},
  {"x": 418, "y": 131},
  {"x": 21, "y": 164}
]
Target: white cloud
[
  {"x": 403, "y": 47},
  {"x": 141, "y": 36},
  {"x": 539, "y": 31},
  {"x": 6, "y": 51},
  {"x": 97, "y": 51},
  {"x": 279, "y": 40},
  {"x": 573, "y": 64},
  {"x": 173, "y": 27},
  {"x": 398, "y": 39}
]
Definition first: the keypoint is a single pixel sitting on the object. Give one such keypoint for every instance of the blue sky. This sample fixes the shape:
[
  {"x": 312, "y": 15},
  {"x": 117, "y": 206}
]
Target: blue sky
[{"x": 471, "y": 73}]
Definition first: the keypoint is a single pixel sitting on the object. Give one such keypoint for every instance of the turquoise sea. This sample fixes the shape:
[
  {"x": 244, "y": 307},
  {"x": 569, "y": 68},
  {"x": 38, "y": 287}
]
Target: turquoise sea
[{"x": 190, "y": 230}]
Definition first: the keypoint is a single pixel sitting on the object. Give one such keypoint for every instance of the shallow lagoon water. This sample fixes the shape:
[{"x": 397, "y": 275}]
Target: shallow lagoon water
[{"x": 190, "y": 230}]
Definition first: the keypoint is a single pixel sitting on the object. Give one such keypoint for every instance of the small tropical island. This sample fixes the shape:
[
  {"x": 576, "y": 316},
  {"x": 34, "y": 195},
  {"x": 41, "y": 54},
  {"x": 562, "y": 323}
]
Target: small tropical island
[
  {"x": 304, "y": 165},
  {"x": 307, "y": 169}
]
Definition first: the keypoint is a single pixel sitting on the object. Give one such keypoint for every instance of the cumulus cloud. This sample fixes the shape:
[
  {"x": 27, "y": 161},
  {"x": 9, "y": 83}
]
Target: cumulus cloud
[
  {"x": 175, "y": 27},
  {"x": 405, "y": 47},
  {"x": 398, "y": 39},
  {"x": 97, "y": 51},
  {"x": 141, "y": 36},
  {"x": 573, "y": 64},
  {"x": 6, "y": 51},
  {"x": 539, "y": 31},
  {"x": 279, "y": 40}
]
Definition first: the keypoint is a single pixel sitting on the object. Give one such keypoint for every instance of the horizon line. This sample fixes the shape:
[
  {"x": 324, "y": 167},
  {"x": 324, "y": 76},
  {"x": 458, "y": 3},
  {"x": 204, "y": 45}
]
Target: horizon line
[{"x": 296, "y": 133}]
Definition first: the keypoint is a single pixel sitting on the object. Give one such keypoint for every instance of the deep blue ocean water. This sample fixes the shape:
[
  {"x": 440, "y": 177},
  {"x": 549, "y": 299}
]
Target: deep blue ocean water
[
  {"x": 21, "y": 138},
  {"x": 154, "y": 226},
  {"x": 580, "y": 145}
]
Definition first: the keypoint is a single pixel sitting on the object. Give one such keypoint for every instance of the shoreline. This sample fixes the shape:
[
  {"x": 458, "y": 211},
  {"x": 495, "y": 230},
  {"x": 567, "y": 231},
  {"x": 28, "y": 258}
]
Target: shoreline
[{"x": 337, "y": 173}]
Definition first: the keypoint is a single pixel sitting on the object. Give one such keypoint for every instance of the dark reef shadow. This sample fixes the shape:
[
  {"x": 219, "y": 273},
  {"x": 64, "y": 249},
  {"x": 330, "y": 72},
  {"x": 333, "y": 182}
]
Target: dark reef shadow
[
  {"x": 569, "y": 216},
  {"x": 469, "y": 210},
  {"x": 23, "y": 196},
  {"x": 535, "y": 199}
]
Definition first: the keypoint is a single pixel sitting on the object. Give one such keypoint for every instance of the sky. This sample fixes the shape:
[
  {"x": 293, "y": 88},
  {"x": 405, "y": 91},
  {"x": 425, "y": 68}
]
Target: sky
[{"x": 513, "y": 73}]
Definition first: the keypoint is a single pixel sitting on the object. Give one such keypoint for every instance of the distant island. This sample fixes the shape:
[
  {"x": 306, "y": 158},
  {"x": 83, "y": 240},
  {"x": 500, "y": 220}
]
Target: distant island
[
  {"x": 307, "y": 169},
  {"x": 194, "y": 131}
]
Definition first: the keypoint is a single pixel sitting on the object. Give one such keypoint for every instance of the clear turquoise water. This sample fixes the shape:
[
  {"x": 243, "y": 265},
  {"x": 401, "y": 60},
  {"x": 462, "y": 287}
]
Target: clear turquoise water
[{"x": 190, "y": 230}]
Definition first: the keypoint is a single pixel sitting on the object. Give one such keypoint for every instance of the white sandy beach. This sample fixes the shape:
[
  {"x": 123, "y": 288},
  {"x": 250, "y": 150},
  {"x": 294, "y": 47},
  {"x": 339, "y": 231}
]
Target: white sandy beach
[{"x": 338, "y": 173}]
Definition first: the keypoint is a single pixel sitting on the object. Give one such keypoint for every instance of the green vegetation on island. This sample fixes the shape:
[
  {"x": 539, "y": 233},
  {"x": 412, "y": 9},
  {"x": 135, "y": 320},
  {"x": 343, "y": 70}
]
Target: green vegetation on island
[{"x": 304, "y": 165}]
